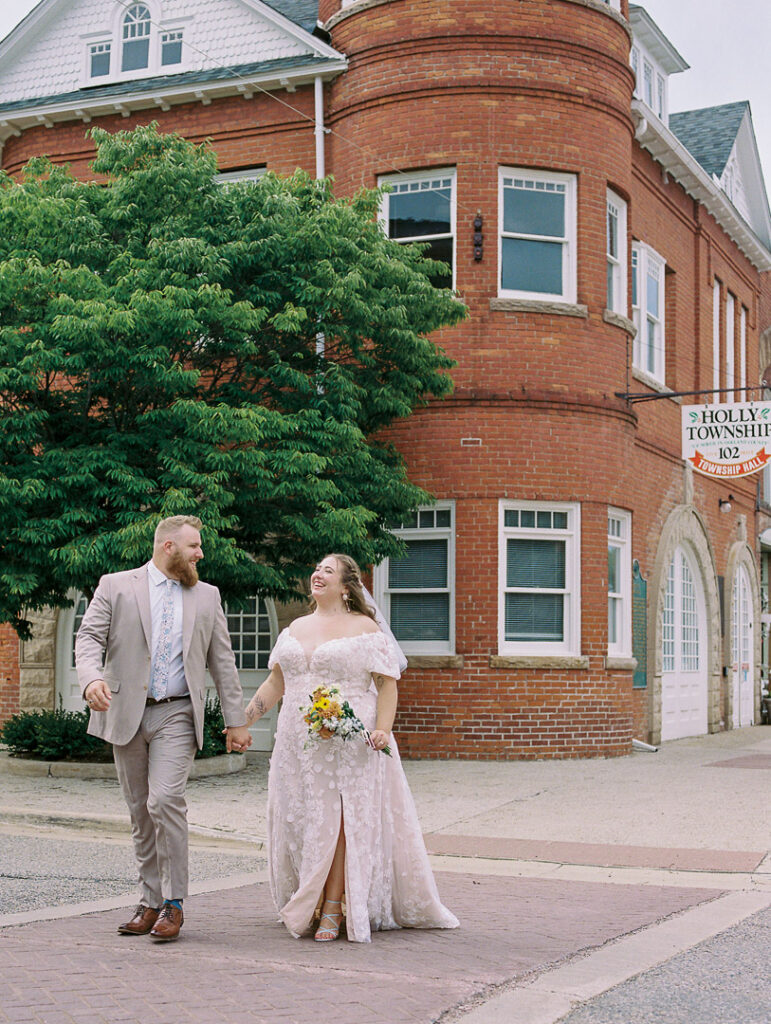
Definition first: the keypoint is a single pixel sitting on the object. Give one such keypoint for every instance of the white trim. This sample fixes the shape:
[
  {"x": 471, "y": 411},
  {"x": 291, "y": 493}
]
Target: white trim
[
  {"x": 571, "y": 535},
  {"x": 622, "y": 648},
  {"x": 730, "y": 344},
  {"x": 382, "y": 594},
  {"x": 743, "y": 348},
  {"x": 673, "y": 156},
  {"x": 567, "y": 184},
  {"x": 618, "y": 262},
  {"x": 645, "y": 263},
  {"x": 420, "y": 177},
  {"x": 716, "y": 337}
]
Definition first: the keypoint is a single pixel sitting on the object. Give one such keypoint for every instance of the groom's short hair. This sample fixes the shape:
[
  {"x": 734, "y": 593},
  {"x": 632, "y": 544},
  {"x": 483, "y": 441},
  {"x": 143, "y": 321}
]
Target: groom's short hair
[{"x": 173, "y": 524}]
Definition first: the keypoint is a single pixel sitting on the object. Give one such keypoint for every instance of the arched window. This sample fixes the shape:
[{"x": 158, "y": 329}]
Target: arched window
[{"x": 136, "y": 38}]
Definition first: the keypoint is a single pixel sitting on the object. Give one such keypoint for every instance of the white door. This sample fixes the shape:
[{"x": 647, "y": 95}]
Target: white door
[
  {"x": 743, "y": 666},
  {"x": 684, "y": 652},
  {"x": 67, "y": 687},
  {"x": 253, "y": 631}
]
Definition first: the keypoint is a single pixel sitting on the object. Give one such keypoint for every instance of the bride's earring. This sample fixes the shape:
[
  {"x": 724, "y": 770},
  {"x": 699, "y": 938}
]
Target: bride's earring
[{"x": 346, "y": 600}]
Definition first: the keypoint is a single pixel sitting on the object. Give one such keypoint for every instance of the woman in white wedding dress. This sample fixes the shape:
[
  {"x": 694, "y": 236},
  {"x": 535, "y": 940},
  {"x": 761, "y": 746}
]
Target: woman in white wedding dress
[{"x": 341, "y": 818}]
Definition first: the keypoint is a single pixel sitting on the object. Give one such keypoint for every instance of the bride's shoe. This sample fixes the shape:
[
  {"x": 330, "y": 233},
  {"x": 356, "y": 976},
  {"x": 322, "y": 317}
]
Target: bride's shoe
[{"x": 329, "y": 932}]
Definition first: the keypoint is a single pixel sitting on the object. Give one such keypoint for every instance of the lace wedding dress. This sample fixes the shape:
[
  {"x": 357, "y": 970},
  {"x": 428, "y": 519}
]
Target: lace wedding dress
[{"x": 388, "y": 880}]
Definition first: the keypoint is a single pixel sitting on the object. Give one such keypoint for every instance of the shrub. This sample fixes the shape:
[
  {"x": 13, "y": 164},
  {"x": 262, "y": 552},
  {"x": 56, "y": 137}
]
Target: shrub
[
  {"x": 213, "y": 723},
  {"x": 53, "y": 736}
]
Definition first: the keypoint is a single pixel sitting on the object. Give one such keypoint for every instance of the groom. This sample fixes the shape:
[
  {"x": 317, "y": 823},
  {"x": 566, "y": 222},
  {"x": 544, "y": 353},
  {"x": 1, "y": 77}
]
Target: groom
[{"x": 142, "y": 651}]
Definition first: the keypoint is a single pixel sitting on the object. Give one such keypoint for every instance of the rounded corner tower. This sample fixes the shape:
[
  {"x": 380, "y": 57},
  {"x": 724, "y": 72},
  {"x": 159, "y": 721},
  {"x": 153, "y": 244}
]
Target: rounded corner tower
[{"x": 519, "y": 111}]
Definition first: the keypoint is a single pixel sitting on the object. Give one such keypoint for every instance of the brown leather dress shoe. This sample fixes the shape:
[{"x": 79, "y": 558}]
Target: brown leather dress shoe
[
  {"x": 140, "y": 924},
  {"x": 169, "y": 922}
]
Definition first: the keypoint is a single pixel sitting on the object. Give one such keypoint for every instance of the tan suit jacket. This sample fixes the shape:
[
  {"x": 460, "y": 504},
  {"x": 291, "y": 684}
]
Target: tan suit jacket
[{"x": 117, "y": 625}]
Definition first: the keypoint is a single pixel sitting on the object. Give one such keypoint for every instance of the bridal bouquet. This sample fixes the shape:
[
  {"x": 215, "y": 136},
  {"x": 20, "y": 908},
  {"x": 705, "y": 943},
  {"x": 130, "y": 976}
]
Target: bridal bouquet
[{"x": 327, "y": 716}]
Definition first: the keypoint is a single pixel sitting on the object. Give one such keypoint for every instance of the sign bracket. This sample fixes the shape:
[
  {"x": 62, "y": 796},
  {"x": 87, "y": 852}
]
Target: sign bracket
[{"x": 643, "y": 396}]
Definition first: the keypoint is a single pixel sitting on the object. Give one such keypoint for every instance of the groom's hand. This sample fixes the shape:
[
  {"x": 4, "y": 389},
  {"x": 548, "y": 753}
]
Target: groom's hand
[
  {"x": 238, "y": 738},
  {"x": 98, "y": 695}
]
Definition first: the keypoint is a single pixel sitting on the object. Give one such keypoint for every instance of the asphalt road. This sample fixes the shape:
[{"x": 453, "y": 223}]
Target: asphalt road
[
  {"x": 726, "y": 980},
  {"x": 41, "y": 866}
]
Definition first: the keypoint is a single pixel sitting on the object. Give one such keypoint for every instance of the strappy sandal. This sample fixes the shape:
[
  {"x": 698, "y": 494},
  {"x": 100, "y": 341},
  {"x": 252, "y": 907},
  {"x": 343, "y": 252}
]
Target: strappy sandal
[{"x": 328, "y": 933}]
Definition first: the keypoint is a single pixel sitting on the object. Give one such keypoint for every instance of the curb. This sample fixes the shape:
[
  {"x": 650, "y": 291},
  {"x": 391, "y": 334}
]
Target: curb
[
  {"x": 551, "y": 996},
  {"x": 203, "y": 768}
]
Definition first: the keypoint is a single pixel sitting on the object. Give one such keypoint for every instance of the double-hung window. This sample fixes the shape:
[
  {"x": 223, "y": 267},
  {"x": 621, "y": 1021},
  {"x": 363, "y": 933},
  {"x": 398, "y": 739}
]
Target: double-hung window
[
  {"x": 619, "y": 584},
  {"x": 416, "y": 593},
  {"x": 730, "y": 343},
  {"x": 648, "y": 271},
  {"x": 421, "y": 208},
  {"x": 616, "y": 254},
  {"x": 537, "y": 235},
  {"x": 539, "y": 578}
]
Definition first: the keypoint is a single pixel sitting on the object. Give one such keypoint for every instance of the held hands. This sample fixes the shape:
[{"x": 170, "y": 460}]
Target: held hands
[
  {"x": 237, "y": 738},
  {"x": 98, "y": 695}
]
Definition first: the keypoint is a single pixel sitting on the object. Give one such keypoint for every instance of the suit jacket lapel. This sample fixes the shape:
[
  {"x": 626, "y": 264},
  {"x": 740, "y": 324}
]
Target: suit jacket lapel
[
  {"x": 189, "y": 605},
  {"x": 142, "y": 594}
]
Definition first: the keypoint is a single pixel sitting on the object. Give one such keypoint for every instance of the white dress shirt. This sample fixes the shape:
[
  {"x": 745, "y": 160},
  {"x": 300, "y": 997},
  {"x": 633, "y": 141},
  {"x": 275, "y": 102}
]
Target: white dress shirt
[{"x": 177, "y": 685}]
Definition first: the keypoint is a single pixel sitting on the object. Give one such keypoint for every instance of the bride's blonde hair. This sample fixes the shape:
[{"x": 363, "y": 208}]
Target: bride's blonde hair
[{"x": 350, "y": 576}]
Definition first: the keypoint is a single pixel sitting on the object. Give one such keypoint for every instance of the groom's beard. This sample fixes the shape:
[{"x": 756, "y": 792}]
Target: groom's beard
[{"x": 185, "y": 571}]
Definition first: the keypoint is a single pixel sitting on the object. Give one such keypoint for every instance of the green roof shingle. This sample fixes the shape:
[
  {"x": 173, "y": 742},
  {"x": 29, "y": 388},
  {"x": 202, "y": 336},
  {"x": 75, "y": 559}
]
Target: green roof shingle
[{"x": 709, "y": 134}]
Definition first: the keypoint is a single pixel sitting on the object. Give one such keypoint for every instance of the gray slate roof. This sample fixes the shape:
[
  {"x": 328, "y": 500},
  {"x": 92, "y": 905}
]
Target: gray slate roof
[
  {"x": 709, "y": 134},
  {"x": 118, "y": 89},
  {"x": 303, "y": 12}
]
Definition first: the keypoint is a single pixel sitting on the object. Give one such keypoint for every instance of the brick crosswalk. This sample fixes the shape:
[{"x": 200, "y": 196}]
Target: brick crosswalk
[{"x": 234, "y": 962}]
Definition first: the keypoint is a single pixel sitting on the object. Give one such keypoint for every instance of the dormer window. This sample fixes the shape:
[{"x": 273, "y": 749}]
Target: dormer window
[
  {"x": 136, "y": 38},
  {"x": 99, "y": 59},
  {"x": 653, "y": 59},
  {"x": 140, "y": 44},
  {"x": 171, "y": 47}
]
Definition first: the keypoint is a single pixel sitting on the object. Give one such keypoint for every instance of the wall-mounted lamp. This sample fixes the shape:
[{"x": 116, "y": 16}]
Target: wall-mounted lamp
[
  {"x": 724, "y": 504},
  {"x": 478, "y": 237}
]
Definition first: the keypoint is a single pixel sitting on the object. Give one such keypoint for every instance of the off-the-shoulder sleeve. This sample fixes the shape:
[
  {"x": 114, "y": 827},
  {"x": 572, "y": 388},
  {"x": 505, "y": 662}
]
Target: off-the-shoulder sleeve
[
  {"x": 383, "y": 657},
  {"x": 275, "y": 654}
]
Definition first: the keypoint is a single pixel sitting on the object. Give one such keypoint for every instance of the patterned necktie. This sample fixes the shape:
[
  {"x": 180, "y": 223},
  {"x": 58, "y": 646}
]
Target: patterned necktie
[{"x": 160, "y": 680}]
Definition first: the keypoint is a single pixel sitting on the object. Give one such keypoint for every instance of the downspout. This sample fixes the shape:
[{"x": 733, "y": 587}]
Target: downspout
[{"x": 319, "y": 131}]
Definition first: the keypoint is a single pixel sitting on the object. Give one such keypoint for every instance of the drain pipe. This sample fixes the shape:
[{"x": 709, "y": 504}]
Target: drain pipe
[
  {"x": 639, "y": 745},
  {"x": 319, "y": 131}
]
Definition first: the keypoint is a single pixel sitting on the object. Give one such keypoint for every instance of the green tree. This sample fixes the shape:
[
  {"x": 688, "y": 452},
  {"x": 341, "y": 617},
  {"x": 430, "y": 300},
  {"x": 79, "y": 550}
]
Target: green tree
[{"x": 169, "y": 345}]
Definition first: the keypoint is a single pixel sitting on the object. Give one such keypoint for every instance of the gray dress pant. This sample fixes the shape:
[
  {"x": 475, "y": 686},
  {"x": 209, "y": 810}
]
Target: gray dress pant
[{"x": 152, "y": 769}]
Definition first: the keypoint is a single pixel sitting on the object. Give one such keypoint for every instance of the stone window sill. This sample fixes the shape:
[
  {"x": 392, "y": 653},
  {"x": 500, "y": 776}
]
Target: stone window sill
[
  {"x": 617, "y": 320},
  {"x": 502, "y": 305},
  {"x": 539, "y": 661},
  {"x": 621, "y": 664},
  {"x": 435, "y": 661},
  {"x": 653, "y": 384}
]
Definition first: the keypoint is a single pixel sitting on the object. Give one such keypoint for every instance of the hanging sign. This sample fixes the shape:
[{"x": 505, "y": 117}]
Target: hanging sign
[{"x": 730, "y": 440}]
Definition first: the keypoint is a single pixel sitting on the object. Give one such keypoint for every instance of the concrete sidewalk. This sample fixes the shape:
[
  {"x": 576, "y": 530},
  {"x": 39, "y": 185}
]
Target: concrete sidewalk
[{"x": 568, "y": 877}]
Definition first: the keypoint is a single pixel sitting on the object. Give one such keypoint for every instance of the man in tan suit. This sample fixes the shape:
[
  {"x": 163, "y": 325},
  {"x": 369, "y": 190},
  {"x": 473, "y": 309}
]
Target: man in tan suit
[{"x": 142, "y": 651}]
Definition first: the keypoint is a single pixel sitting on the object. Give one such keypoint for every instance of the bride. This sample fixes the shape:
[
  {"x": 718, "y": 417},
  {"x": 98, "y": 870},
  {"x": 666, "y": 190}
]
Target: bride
[{"x": 341, "y": 818}]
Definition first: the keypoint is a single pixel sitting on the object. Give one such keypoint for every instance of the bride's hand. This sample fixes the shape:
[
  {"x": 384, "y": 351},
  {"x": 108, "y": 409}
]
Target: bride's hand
[{"x": 378, "y": 739}]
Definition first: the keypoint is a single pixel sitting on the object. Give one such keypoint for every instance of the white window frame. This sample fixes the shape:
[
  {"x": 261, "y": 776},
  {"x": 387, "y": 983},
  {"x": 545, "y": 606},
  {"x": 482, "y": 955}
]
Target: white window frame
[
  {"x": 617, "y": 263},
  {"x": 568, "y": 241},
  {"x": 571, "y": 642},
  {"x": 418, "y": 181},
  {"x": 743, "y": 349},
  {"x": 644, "y": 261},
  {"x": 382, "y": 593},
  {"x": 730, "y": 344},
  {"x": 620, "y": 601},
  {"x": 245, "y": 174},
  {"x": 651, "y": 82},
  {"x": 716, "y": 339}
]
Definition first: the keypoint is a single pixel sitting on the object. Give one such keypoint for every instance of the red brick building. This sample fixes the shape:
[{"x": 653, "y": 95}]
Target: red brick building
[{"x": 577, "y": 584}]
